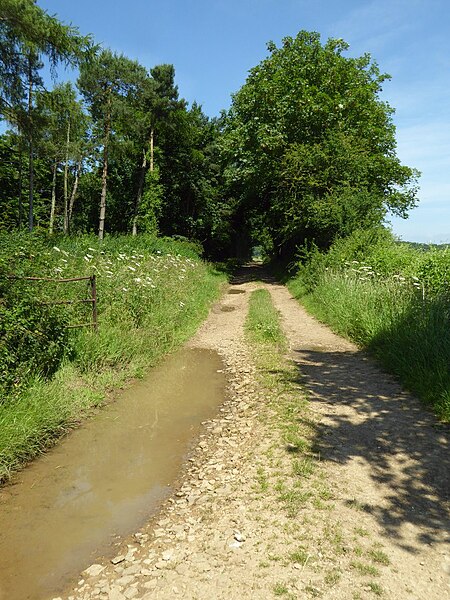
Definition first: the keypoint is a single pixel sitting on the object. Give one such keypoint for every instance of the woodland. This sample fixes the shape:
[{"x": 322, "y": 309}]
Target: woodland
[{"x": 306, "y": 152}]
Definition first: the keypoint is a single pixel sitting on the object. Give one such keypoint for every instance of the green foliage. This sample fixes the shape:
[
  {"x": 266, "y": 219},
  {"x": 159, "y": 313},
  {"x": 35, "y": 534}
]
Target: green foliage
[
  {"x": 150, "y": 208},
  {"x": 25, "y": 28},
  {"x": 391, "y": 299},
  {"x": 152, "y": 294},
  {"x": 310, "y": 147},
  {"x": 33, "y": 337}
]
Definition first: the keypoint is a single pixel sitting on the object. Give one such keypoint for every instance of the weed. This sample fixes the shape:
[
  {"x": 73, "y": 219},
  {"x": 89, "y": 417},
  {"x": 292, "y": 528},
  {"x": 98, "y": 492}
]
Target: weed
[
  {"x": 356, "y": 504},
  {"x": 365, "y": 569},
  {"x": 379, "y": 557},
  {"x": 300, "y": 556},
  {"x": 293, "y": 500},
  {"x": 304, "y": 467},
  {"x": 262, "y": 479},
  {"x": 333, "y": 576},
  {"x": 375, "y": 588},
  {"x": 313, "y": 591},
  {"x": 280, "y": 589}
]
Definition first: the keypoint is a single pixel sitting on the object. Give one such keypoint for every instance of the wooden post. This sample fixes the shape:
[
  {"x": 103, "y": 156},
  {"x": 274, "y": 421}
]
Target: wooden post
[{"x": 94, "y": 303}]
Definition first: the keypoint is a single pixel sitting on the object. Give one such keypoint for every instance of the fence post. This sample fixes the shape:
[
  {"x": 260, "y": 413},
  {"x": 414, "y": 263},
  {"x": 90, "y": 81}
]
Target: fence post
[{"x": 94, "y": 302}]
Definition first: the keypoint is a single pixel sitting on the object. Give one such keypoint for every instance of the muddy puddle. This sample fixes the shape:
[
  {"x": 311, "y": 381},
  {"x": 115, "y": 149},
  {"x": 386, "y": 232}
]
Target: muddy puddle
[{"x": 105, "y": 479}]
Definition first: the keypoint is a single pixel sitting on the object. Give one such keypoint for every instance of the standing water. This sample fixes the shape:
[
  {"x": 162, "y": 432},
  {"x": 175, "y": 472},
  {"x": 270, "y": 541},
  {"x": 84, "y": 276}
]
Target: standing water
[{"x": 104, "y": 479}]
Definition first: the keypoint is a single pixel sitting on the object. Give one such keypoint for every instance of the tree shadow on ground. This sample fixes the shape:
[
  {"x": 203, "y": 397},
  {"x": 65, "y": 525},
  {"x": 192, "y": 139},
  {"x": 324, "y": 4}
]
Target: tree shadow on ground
[
  {"x": 251, "y": 272},
  {"x": 370, "y": 419},
  {"x": 377, "y": 422}
]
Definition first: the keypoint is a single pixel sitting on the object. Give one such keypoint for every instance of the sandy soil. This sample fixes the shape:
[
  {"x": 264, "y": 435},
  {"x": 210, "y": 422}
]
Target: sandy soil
[{"x": 373, "y": 519}]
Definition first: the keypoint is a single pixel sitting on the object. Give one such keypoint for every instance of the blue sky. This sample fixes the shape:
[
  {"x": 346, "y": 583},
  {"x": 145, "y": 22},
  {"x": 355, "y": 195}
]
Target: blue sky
[{"x": 213, "y": 43}]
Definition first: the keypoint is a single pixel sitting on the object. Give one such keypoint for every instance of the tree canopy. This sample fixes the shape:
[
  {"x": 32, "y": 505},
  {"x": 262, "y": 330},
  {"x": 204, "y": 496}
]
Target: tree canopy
[
  {"x": 310, "y": 146},
  {"x": 306, "y": 153}
]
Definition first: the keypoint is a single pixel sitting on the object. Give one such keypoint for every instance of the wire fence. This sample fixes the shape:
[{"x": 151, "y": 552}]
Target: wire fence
[{"x": 92, "y": 284}]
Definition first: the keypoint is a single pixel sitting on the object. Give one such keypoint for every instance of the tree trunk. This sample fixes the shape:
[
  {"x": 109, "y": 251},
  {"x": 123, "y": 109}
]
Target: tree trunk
[
  {"x": 137, "y": 204},
  {"x": 66, "y": 176},
  {"x": 20, "y": 173},
  {"x": 30, "y": 145},
  {"x": 101, "y": 225},
  {"x": 142, "y": 181},
  {"x": 53, "y": 205},
  {"x": 151, "y": 151},
  {"x": 73, "y": 194}
]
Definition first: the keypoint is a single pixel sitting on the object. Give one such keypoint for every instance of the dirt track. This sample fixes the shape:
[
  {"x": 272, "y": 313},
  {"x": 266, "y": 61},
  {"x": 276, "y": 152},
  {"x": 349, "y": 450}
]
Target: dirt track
[{"x": 374, "y": 521}]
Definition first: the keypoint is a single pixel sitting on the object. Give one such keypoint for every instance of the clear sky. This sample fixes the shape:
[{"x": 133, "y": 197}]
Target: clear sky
[{"x": 213, "y": 43}]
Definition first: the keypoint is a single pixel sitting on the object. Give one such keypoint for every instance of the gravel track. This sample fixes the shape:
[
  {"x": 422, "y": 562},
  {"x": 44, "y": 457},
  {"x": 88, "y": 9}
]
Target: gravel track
[{"x": 381, "y": 528}]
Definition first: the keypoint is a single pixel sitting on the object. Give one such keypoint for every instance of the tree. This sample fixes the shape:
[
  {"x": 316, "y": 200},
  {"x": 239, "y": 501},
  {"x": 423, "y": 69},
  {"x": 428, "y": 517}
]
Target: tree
[
  {"x": 310, "y": 146},
  {"x": 157, "y": 100},
  {"x": 109, "y": 85},
  {"x": 26, "y": 34},
  {"x": 65, "y": 132}
]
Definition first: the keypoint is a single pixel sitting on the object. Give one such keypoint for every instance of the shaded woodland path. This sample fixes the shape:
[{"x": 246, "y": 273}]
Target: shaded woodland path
[{"x": 374, "y": 518}]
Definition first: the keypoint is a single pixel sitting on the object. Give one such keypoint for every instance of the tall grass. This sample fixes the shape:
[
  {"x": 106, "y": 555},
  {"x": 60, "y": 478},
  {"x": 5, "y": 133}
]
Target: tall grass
[
  {"x": 395, "y": 306},
  {"x": 153, "y": 293}
]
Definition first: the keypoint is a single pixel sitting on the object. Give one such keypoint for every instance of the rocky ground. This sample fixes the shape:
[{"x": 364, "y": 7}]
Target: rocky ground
[{"x": 354, "y": 508}]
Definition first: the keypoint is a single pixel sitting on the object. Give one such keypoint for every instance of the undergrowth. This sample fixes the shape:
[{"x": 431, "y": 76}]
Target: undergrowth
[
  {"x": 152, "y": 294},
  {"x": 392, "y": 300}
]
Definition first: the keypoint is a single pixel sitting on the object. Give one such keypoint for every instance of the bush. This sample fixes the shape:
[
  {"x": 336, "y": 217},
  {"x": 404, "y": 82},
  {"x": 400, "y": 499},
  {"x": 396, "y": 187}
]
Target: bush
[
  {"x": 391, "y": 299},
  {"x": 33, "y": 337}
]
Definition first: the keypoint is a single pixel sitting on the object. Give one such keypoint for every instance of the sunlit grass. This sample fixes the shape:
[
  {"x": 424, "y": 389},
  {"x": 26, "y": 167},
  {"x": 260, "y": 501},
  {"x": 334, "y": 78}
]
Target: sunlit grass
[
  {"x": 406, "y": 332},
  {"x": 152, "y": 296}
]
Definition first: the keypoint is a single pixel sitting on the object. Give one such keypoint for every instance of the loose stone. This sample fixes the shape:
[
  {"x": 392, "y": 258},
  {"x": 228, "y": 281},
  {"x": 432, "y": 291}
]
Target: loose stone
[{"x": 93, "y": 571}]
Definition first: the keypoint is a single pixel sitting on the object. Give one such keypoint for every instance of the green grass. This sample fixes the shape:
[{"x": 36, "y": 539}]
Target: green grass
[
  {"x": 365, "y": 569},
  {"x": 392, "y": 299},
  {"x": 406, "y": 333},
  {"x": 375, "y": 588},
  {"x": 279, "y": 377},
  {"x": 152, "y": 293},
  {"x": 380, "y": 557},
  {"x": 263, "y": 320}
]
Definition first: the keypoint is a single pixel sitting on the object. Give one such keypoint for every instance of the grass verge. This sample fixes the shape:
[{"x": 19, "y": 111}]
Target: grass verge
[
  {"x": 153, "y": 294},
  {"x": 406, "y": 333}
]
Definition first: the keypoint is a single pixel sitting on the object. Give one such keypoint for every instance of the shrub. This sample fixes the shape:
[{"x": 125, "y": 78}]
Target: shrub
[{"x": 33, "y": 337}]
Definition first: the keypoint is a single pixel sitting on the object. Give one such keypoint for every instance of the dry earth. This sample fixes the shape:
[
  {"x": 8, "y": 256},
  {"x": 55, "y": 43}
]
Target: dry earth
[{"x": 365, "y": 515}]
